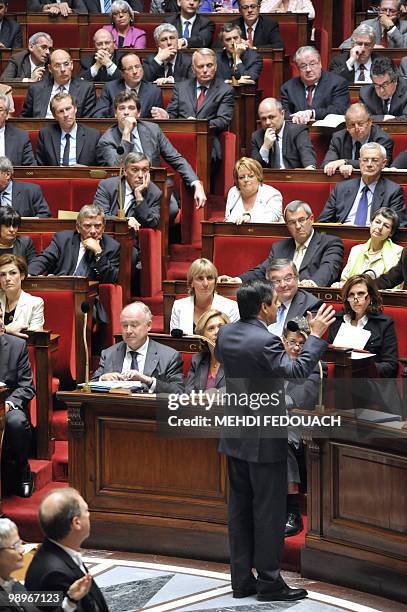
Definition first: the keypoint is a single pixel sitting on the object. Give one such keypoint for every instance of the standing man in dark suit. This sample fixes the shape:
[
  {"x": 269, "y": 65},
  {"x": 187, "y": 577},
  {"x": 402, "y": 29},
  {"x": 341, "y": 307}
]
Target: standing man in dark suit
[
  {"x": 157, "y": 368},
  {"x": 278, "y": 143},
  {"x": 26, "y": 198},
  {"x": 10, "y": 31},
  {"x": 248, "y": 62},
  {"x": 259, "y": 31},
  {"x": 315, "y": 93},
  {"x": 354, "y": 201},
  {"x": 255, "y": 362},
  {"x": 102, "y": 65},
  {"x": 193, "y": 30},
  {"x": 355, "y": 65},
  {"x": 132, "y": 79},
  {"x": 58, "y": 565},
  {"x": 386, "y": 97},
  {"x": 30, "y": 66},
  {"x": 318, "y": 257},
  {"x": 66, "y": 143},
  {"x": 104, "y": 6},
  {"x": 54, "y": 8},
  {"x": 14, "y": 143},
  {"x": 170, "y": 64},
  {"x": 39, "y": 95},
  {"x": 344, "y": 148}
]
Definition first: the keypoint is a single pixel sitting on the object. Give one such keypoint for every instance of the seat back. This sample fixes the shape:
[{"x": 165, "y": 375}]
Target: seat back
[
  {"x": 233, "y": 256},
  {"x": 63, "y": 34}
]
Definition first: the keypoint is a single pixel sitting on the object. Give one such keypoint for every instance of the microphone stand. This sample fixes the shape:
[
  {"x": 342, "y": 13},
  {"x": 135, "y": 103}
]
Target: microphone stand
[
  {"x": 235, "y": 81},
  {"x": 120, "y": 212},
  {"x": 86, "y": 387}
]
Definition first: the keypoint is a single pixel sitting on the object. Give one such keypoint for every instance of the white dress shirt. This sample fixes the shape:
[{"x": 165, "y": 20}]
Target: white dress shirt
[
  {"x": 56, "y": 89},
  {"x": 2, "y": 144}
]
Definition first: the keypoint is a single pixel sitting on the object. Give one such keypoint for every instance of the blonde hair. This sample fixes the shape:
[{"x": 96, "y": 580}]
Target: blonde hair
[
  {"x": 252, "y": 165},
  {"x": 206, "y": 317},
  {"x": 197, "y": 267}
]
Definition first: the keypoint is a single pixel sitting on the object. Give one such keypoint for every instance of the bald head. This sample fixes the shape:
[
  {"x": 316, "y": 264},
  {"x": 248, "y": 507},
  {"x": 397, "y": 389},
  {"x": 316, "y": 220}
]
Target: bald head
[
  {"x": 60, "y": 66},
  {"x": 57, "y": 511},
  {"x": 271, "y": 114},
  {"x": 135, "y": 323},
  {"x": 103, "y": 41}
]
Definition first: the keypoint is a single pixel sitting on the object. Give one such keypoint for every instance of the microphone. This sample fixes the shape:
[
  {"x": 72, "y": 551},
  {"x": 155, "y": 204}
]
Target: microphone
[
  {"x": 178, "y": 333},
  {"x": 85, "y": 308},
  {"x": 120, "y": 152}
]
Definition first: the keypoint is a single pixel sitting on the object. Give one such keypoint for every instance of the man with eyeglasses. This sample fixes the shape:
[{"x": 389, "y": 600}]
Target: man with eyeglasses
[
  {"x": 131, "y": 80},
  {"x": 318, "y": 257},
  {"x": 258, "y": 30},
  {"x": 30, "y": 65},
  {"x": 353, "y": 202},
  {"x": 386, "y": 97},
  {"x": 344, "y": 148},
  {"x": 39, "y": 95},
  {"x": 354, "y": 65},
  {"x": 315, "y": 93},
  {"x": 101, "y": 66},
  {"x": 237, "y": 59},
  {"x": 390, "y": 31}
]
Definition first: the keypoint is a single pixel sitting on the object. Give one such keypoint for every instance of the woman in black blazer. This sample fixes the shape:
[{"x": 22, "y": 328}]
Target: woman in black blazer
[{"x": 10, "y": 221}]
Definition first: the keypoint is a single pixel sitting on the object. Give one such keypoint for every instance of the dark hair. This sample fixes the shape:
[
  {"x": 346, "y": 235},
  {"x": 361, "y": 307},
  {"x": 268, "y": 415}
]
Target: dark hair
[
  {"x": 121, "y": 58},
  {"x": 127, "y": 96},
  {"x": 390, "y": 215},
  {"x": 17, "y": 260},
  {"x": 384, "y": 65},
  {"x": 56, "y": 525},
  {"x": 9, "y": 217},
  {"x": 376, "y": 303},
  {"x": 250, "y": 297}
]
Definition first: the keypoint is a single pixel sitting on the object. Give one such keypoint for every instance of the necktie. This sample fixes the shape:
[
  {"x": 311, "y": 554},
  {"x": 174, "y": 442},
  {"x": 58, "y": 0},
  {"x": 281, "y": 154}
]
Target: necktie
[
  {"x": 362, "y": 72},
  {"x": 83, "y": 267},
  {"x": 168, "y": 70},
  {"x": 310, "y": 91},
  {"x": 277, "y": 156},
  {"x": 61, "y": 89},
  {"x": 134, "y": 362},
  {"x": 250, "y": 36},
  {"x": 356, "y": 155},
  {"x": 386, "y": 104},
  {"x": 383, "y": 40},
  {"x": 361, "y": 212},
  {"x": 186, "y": 30},
  {"x": 298, "y": 256},
  {"x": 135, "y": 139},
  {"x": 108, "y": 6},
  {"x": 277, "y": 327},
  {"x": 201, "y": 97},
  {"x": 65, "y": 158}
]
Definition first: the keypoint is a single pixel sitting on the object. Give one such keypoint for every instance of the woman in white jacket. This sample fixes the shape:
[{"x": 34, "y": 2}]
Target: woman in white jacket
[{"x": 288, "y": 6}]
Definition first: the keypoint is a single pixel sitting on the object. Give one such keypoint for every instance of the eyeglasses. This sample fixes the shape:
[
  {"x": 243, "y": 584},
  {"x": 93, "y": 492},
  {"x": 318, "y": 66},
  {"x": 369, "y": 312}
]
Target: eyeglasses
[
  {"x": 357, "y": 297},
  {"x": 286, "y": 280},
  {"x": 15, "y": 546},
  {"x": 135, "y": 67},
  {"x": 293, "y": 343},
  {"x": 311, "y": 65},
  {"x": 246, "y": 7},
  {"x": 383, "y": 85},
  {"x": 388, "y": 11},
  {"x": 61, "y": 66},
  {"x": 299, "y": 221}
]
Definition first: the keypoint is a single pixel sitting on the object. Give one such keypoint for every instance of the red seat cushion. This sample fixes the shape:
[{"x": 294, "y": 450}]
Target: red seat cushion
[
  {"x": 315, "y": 194},
  {"x": 57, "y": 192},
  {"x": 232, "y": 256},
  {"x": 62, "y": 34}
]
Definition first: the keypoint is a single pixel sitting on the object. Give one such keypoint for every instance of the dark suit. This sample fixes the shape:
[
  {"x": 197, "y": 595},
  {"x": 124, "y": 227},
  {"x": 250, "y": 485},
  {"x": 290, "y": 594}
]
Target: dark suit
[
  {"x": 18, "y": 67},
  {"x": 61, "y": 256},
  {"x": 341, "y": 200},
  {"x": 17, "y": 147},
  {"x": 330, "y": 96},
  {"x": 266, "y": 34},
  {"x": 38, "y": 95},
  {"x": 49, "y": 144},
  {"x": 146, "y": 212},
  {"x": 322, "y": 262},
  {"x": 254, "y": 361},
  {"x": 341, "y": 147},
  {"x": 400, "y": 161},
  {"x": 198, "y": 373},
  {"x": 202, "y": 31},
  {"x": 35, "y": 6},
  {"x": 52, "y": 569},
  {"x": 24, "y": 246},
  {"x": 302, "y": 302},
  {"x": 298, "y": 151},
  {"x": 28, "y": 200},
  {"x": 250, "y": 65},
  {"x": 102, "y": 75},
  {"x": 149, "y": 95},
  {"x": 162, "y": 363},
  {"x": 10, "y": 33},
  {"x": 182, "y": 68},
  {"x": 93, "y": 6},
  {"x": 338, "y": 66},
  {"x": 396, "y": 275},
  {"x": 374, "y": 104}
]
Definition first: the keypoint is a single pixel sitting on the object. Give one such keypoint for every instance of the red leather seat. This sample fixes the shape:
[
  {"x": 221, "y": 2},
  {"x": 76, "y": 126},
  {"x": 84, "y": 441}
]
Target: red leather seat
[
  {"x": 233, "y": 257},
  {"x": 63, "y": 34}
]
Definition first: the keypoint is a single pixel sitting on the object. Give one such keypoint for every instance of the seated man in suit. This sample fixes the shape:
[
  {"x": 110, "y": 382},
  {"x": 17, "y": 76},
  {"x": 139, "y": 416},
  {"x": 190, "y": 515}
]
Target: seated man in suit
[
  {"x": 156, "y": 367},
  {"x": 278, "y": 143},
  {"x": 354, "y": 201},
  {"x": 390, "y": 31},
  {"x": 344, "y": 148},
  {"x": 66, "y": 142},
  {"x": 57, "y": 565},
  {"x": 170, "y": 64},
  {"x": 193, "y": 30},
  {"x": 26, "y": 198},
  {"x": 14, "y": 143},
  {"x": 315, "y": 93},
  {"x": 132, "y": 79},
  {"x": 86, "y": 251},
  {"x": 386, "y": 97},
  {"x": 105, "y": 6},
  {"x": 318, "y": 257},
  {"x": 354, "y": 65},
  {"x": 39, "y": 95},
  {"x": 258, "y": 30},
  {"x": 237, "y": 59},
  {"x": 30, "y": 65},
  {"x": 102, "y": 65},
  {"x": 134, "y": 135},
  {"x": 56, "y": 8},
  {"x": 10, "y": 31}
]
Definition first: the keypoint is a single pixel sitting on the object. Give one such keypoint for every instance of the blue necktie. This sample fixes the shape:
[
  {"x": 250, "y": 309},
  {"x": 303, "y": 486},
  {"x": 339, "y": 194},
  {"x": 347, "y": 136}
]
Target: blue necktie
[
  {"x": 108, "y": 6},
  {"x": 186, "y": 30},
  {"x": 361, "y": 212},
  {"x": 65, "y": 157},
  {"x": 134, "y": 362},
  {"x": 277, "y": 327}
]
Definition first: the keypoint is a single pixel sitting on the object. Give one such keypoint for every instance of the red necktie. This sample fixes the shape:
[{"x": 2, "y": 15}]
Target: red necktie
[
  {"x": 250, "y": 36},
  {"x": 201, "y": 97},
  {"x": 310, "y": 91},
  {"x": 383, "y": 40}
]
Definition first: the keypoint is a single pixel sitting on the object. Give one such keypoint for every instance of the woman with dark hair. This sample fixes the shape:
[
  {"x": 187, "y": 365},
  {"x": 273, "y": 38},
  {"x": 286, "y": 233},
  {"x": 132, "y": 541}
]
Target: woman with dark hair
[
  {"x": 10, "y": 222},
  {"x": 124, "y": 33}
]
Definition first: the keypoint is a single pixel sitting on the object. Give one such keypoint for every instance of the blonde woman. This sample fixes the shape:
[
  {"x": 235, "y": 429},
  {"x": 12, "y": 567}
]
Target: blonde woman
[{"x": 288, "y": 6}]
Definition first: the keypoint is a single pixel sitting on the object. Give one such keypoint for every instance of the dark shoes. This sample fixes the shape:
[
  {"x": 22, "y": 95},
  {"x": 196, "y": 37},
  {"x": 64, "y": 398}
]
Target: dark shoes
[
  {"x": 237, "y": 594},
  {"x": 25, "y": 484},
  {"x": 280, "y": 591},
  {"x": 294, "y": 524}
]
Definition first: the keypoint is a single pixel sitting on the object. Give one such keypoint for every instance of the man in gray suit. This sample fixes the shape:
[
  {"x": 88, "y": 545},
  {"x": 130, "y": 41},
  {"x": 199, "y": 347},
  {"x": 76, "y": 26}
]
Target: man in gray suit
[
  {"x": 30, "y": 66},
  {"x": 26, "y": 198},
  {"x": 15, "y": 143},
  {"x": 390, "y": 31},
  {"x": 169, "y": 64},
  {"x": 354, "y": 65},
  {"x": 153, "y": 366}
]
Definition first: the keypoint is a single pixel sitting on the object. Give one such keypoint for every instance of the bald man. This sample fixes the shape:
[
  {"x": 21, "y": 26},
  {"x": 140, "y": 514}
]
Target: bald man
[{"x": 102, "y": 65}]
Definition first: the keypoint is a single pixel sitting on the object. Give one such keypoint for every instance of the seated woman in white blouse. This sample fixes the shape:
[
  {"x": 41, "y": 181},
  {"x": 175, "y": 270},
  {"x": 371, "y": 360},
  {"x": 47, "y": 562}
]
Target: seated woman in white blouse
[
  {"x": 249, "y": 201},
  {"x": 202, "y": 277},
  {"x": 288, "y": 6}
]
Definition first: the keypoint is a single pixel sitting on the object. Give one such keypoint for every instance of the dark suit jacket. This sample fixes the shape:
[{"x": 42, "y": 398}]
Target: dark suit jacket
[
  {"x": 28, "y": 200},
  {"x": 149, "y": 94},
  {"x": 10, "y": 33},
  {"x": 338, "y": 66},
  {"x": 298, "y": 151},
  {"x": 18, "y": 67},
  {"x": 266, "y": 34},
  {"x": 396, "y": 275},
  {"x": 38, "y": 95},
  {"x": 340, "y": 146},
  {"x": 93, "y": 6},
  {"x": 49, "y": 143},
  {"x": 182, "y": 68},
  {"x": 52, "y": 569},
  {"x": 15, "y": 370},
  {"x": 61, "y": 256},
  {"x": 24, "y": 247},
  {"x": 162, "y": 362},
  {"x": 322, "y": 263},
  {"x": 302, "y": 302},
  {"x": 343, "y": 196},
  {"x": 251, "y": 65},
  {"x": 198, "y": 373},
  {"x": 374, "y": 104},
  {"x": 102, "y": 75},
  {"x": 202, "y": 31},
  {"x": 400, "y": 161},
  {"x": 330, "y": 96},
  {"x": 17, "y": 147},
  {"x": 35, "y": 6},
  {"x": 17, "y": 587}
]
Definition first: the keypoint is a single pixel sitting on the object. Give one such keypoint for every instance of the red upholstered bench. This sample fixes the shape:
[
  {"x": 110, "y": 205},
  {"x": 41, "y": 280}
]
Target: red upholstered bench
[
  {"x": 320, "y": 142},
  {"x": 57, "y": 192},
  {"x": 18, "y": 104},
  {"x": 400, "y": 143},
  {"x": 63, "y": 34},
  {"x": 266, "y": 79},
  {"x": 233, "y": 256},
  {"x": 315, "y": 194},
  {"x": 33, "y": 134}
]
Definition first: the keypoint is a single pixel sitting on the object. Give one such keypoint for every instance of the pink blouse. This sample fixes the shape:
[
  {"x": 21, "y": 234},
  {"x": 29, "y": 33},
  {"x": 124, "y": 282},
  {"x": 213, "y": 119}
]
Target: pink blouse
[{"x": 135, "y": 38}]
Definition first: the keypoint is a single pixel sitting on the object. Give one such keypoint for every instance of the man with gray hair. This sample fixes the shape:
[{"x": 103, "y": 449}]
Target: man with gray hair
[
  {"x": 169, "y": 64},
  {"x": 318, "y": 257},
  {"x": 102, "y": 65},
  {"x": 30, "y": 65},
  {"x": 14, "y": 142},
  {"x": 354, "y": 201},
  {"x": 386, "y": 97},
  {"x": 354, "y": 65},
  {"x": 390, "y": 31},
  {"x": 315, "y": 93},
  {"x": 152, "y": 366},
  {"x": 86, "y": 251},
  {"x": 237, "y": 59},
  {"x": 26, "y": 198}
]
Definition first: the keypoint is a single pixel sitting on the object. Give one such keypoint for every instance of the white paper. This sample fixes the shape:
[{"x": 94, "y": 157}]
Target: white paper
[
  {"x": 355, "y": 355},
  {"x": 330, "y": 120},
  {"x": 114, "y": 384},
  {"x": 352, "y": 337}
]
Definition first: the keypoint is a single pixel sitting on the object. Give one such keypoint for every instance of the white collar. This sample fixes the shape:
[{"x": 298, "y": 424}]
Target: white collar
[
  {"x": 140, "y": 351},
  {"x": 306, "y": 243}
]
